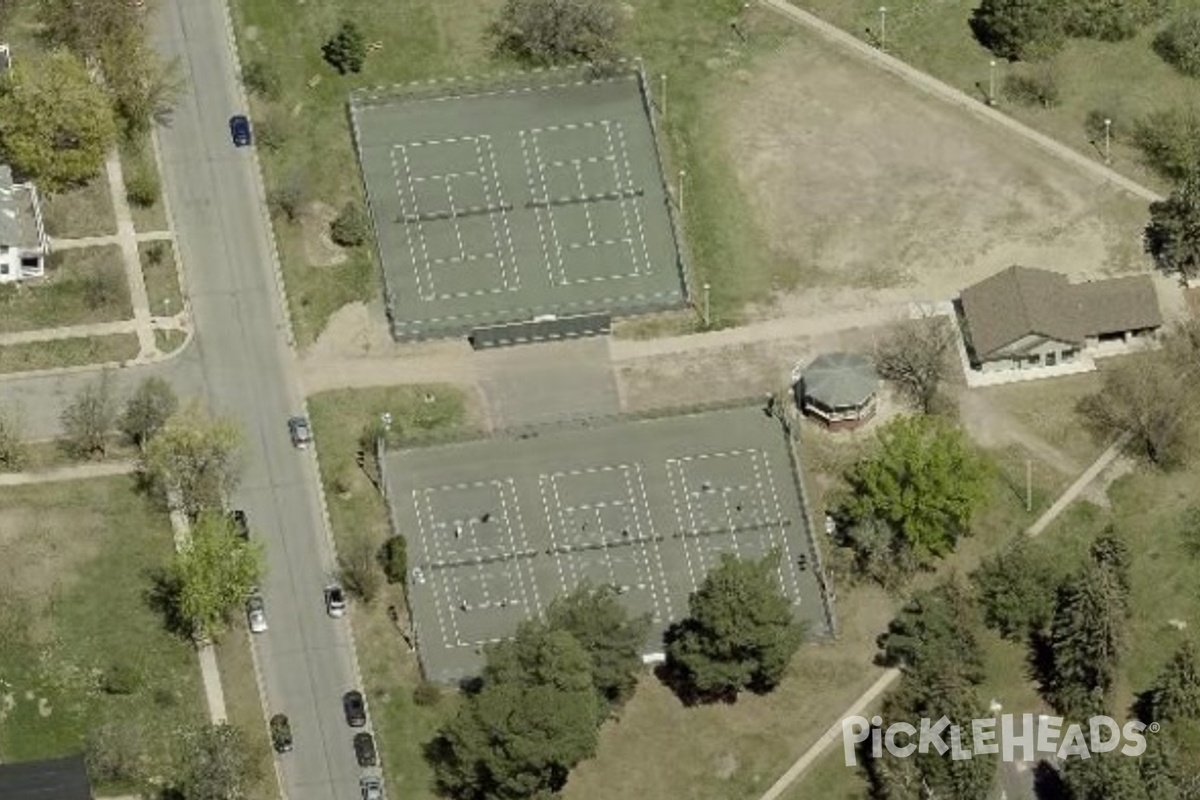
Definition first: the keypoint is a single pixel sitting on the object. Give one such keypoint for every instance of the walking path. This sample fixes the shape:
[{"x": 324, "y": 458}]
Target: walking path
[
  {"x": 74, "y": 472},
  {"x": 888, "y": 678},
  {"x": 127, "y": 241}
]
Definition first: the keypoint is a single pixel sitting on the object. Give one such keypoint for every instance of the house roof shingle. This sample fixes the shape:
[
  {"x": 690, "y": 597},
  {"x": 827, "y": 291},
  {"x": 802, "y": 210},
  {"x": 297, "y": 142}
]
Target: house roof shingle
[
  {"x": 18, "y": 216},
  {"x": 55, "y": 779},
  {"x": 1020, "y": 301}
]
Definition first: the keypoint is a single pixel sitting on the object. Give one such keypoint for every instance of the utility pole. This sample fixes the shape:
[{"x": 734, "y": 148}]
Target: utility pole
[
  {"x": 992, "y": 82},
  {"x": 1107, "y": 140},
  {"x": 883, "y": 28},
  {"x": 682, "y": 175},
  {"x": 1028, "y": 485},
  {"x": 662, "y": 100},
  {"x": 707, "y": 305}
]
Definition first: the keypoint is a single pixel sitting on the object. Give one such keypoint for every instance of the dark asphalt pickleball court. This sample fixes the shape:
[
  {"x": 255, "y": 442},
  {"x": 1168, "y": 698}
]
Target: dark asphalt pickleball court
[
  {"x": 495, "y": 204},
  {"x": 498, "y": 528}
]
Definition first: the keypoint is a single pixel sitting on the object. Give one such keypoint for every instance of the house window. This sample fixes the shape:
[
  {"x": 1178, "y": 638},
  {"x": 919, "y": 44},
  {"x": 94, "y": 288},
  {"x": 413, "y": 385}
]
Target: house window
[
  {"x": 1069, "y": 355},
  {"x": 1051, "y": 359},
  {"x": 1033, "y": 361},
  {"x": 1118, "y": 336}
]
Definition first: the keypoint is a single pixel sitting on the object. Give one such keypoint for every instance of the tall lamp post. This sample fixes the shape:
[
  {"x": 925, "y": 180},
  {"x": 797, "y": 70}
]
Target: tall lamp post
[
  {"x": 682, "y": 175},
  {"x": 883, "y": 28},
  {"x": 707, "y": 304},
  {"x": 992, "y": 82},
  {"x": 1107, "y": 141}
]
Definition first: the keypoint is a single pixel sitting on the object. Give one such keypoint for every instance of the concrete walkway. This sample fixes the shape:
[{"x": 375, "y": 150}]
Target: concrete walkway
[
  {"x": 127, "y": 241},
  {"x": 889, "y": 677},
  {"x": 75, "y": 472}
]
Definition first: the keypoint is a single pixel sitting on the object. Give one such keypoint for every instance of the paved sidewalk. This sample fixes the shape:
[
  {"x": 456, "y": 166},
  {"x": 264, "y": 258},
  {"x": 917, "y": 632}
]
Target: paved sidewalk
[
  {"x": 127, "y": 239},
  {"x": 72, "y": 473},
  {"x": 69, "y": 332}
]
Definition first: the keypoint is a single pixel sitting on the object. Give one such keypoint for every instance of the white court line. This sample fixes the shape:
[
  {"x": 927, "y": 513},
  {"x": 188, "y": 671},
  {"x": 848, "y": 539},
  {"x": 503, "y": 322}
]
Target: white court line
[
  {"x": 491, "y": 181},
  {"x": 562, "y": 577},
  {"x": 792, "y": 568},
  {"x": 662, "y": 573},
  {"x": 426, "y": 538},
  {"x": 675, "y": 471},
  {"x": 645, "y": 562},
  {"x": 533, "y": 193},
  {"x": 587, "y": 214},
  {"x": 531, "y": 577},
  {"x": 545, "y": 195},
  {"x": 408, "y": 237},
  {"x": 636, "y": 207},
  {"x": 513, "y": 564}
]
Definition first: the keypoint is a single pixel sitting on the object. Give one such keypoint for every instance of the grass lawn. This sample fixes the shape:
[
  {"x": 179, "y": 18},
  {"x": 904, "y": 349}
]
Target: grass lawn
[
  {"x": 137, "y": 162},
  {"x": 82, "y": 286},
  {"x": 1121, "y": 80},
  {"x": 169, "y": 341},
  {"x": 81, "y": 212},
  {"x": 75, "y": 563},
  {"x": 244, "y": 706},
  {"x": 389, "y": 668},
  {"x": 116, "y": 347},
  {"x": 49, "y": 454},
  {"x": 161, "y": 272},
  {"x": 1046, "y": 408}
]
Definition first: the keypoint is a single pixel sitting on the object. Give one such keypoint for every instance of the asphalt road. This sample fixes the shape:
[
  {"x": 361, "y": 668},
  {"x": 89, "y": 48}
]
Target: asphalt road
[{"x": 249, "y": 372}]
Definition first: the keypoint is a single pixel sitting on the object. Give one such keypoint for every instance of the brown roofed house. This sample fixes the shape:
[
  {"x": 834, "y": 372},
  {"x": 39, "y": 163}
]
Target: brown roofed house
[{"x": 1022, "y": 318}]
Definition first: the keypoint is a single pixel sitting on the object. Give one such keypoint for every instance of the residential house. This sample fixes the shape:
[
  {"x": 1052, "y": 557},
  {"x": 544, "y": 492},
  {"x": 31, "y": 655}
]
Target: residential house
[
  {"x": 23, "y": 242},
  {"x": 1025, "y": 318}
]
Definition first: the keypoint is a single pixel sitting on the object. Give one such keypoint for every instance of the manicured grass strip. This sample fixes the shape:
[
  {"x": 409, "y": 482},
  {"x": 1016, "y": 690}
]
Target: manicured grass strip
[
  {"x": 244, "y": 706},
  {"x": 81, "y": 212},
  {"x": 160, "y": 271},
  {"x": 81, "y": 287},
  {"x": 68, "y": 352},
  {"x": 141, "y": 174},
  {"x": 169, "y": 341}
]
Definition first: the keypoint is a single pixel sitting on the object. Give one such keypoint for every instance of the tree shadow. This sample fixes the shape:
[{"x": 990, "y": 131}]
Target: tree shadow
[
  {"x": 1041, "y": 661},
  {"x": 1048, "y": 784},
  {"x": 163, "y": 598},
  {"x": 679, "y": 680}
]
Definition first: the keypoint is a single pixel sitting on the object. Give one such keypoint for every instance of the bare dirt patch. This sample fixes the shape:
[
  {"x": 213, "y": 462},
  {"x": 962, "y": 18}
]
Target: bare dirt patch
[
  {"x": 871, "y": 192},
  {"x": 319, "y": 249}
]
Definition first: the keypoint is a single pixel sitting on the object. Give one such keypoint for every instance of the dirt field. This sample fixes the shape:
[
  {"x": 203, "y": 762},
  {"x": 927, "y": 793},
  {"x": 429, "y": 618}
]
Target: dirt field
[{"x": 870, "y": 192}]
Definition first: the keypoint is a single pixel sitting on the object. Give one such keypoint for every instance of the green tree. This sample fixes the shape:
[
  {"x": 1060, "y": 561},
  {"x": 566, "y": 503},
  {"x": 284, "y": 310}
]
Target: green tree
[
  {"x": 89, "y": 419},
  {"x": 144, "y": 88},
  {"x": 193, "y": 460},
  {"x": 147, "y": 411},
  {"x": 1017, "y": 590},
  {"x": 351, "y": 227},
  {"x": 916, "y": 357},
  {"x": 546, "y": 32},
  {"x": 739, "y": 633},
  {"x": 878, "y": 553},
  {"x": 935, "y": 633},
  {"x": 1176, "y": 693},
  {"x": 611, "y": 638},
  {"x": 394, "y": 557},
  {"x": 536, "y": 716},
  {"x": 925, "y": 482},
  {"x": 84, "y": 26},
  {"x": 214, "y": 575},
  {"x": 346, "y": 50},
  {"x": 1020, "y": 30},
  {"x": 1104, "y": 776},
  {"x": 1179, "y": 42},
  {"x": 1109, "y": 20},
  {"x": 1170, "y": 142},
  {"x": 216, "y": 763},
  {"x": 358, "y": 567},
  {"x": 1173, "y": 235},
  {"x": 1086, "y": 637},
  {"x": 262, "y": 78},
  {"x": 1148, "y": 401},
  {"x": 1158, "y": 768},
  {"x": 56, "y": 125},
  {"x": 1034, "y": 87}
]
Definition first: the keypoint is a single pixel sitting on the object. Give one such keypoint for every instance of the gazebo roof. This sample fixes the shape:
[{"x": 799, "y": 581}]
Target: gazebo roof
[{"x": 838, "y": 380}]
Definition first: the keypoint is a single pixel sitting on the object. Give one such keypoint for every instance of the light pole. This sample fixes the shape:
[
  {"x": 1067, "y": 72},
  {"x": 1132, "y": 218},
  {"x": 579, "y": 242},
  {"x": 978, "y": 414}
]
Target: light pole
[
  {"x": 1107, "y": 140},
  {"x": 682, "y": 175},
  {"x": 992, "y": 82},
  {"x": 662, "y": 104},
  {"x": 707, "y": 305},
  {"x": 883, "y": 28}
]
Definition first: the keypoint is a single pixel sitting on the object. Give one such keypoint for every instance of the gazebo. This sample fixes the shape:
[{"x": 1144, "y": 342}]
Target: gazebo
[{"x": 839, "y": 390}]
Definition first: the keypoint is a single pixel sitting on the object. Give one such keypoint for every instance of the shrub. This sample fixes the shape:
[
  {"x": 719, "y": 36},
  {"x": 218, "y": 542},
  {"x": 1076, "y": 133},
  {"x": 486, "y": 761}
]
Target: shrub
[
  {"x": 272, "y": 131},
  {"x": 289, "y": 198},
  {"x": 1118, "y": 127},
  {"x": 394, "y": 557},
  {"x": 121, "y": 678},
  {"x": 263, "y": 79},
  {"x": 426, "y": 694},
  {"x": 1179, "y": 43},
  {"x": 352, "y": 227},
  {"x": 346, "y": 50},
  {"x": 156, "y": 253},
  {"x": 142, "y": 187},
  {"x": 546, "y": 32},
  {"x": 1039, "y": 87},
  {"x": 102, "y": 288},
  {"x": 1109, "y": 20}
]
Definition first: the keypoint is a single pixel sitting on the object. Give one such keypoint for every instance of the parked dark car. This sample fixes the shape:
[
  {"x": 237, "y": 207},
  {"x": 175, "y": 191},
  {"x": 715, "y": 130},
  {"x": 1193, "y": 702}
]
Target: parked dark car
[
  {"x": 239, "y": 130},
  {"x": 281, "y": 733},
  {"x": 355, "y": 708},
  {"x": 364, "y": 749},
  {"x": 241, "y": 523},
  {"x": 300, "y": 432}
]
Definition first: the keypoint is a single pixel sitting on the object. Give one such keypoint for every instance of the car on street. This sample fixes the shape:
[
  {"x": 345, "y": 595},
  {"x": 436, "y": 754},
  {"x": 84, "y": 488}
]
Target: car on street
[
  {"x": 281, "y": 733},
  {"x": 355, "y": 709},
  {"x": 364, "y": 749},
  {"x": 239, "y": 130},
  {"x": 241, "y": 523},
  {"x": 371, "y": 788},
  {"x": 300, "y": 432},
  {"x": 335, "y": 601},
  {"x": 256, "y": 613}
]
